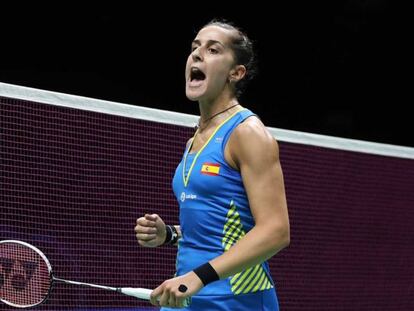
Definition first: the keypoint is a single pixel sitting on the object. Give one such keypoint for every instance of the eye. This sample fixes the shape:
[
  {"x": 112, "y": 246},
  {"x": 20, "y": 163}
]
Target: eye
[
  {"x": 213, "y": 50},
  {"x": 193, "y": 48}
]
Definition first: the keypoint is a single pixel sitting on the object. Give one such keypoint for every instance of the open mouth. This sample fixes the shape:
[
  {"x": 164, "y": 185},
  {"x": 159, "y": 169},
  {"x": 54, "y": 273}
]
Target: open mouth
[{"x": 196, "y": 74}]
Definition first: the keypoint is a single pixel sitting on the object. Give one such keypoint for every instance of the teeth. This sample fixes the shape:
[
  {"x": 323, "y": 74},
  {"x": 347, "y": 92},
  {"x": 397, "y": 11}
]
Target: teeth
[{"x": 195, "y": 72}]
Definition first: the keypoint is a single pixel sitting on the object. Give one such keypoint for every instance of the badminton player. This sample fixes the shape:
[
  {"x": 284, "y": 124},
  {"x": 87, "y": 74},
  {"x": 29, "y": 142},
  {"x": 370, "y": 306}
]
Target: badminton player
[{"x": 229, "y": 186}]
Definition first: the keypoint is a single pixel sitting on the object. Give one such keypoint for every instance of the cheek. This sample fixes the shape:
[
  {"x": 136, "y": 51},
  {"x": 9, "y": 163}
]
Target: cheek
[
  {"x": 220, "y": 76},
  {"x": 222, "y": 69}
]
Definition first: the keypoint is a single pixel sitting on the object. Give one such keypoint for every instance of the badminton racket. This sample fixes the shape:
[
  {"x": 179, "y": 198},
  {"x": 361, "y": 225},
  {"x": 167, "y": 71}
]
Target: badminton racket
[{"x": 26, "y": 277}]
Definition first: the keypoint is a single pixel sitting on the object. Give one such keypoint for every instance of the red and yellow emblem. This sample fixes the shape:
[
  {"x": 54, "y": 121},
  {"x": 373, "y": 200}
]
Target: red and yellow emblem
[{"x": 210, "y": 169}]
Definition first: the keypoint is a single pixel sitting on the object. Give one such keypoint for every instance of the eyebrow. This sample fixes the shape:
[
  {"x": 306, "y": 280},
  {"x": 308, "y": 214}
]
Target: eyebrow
[{"x": 209, "y": 42}]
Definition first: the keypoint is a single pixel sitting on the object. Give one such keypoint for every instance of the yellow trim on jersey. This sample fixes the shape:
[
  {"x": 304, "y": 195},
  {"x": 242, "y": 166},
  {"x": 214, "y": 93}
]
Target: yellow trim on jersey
[
  {"x": 202, "y": 148},
  {"x": 233, "y": 228},
  {"x": 252, "y": 279}
]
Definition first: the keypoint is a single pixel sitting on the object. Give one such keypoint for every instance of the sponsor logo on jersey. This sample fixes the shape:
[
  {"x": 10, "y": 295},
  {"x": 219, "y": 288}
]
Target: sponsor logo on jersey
[{"x": 188, "y": 196}]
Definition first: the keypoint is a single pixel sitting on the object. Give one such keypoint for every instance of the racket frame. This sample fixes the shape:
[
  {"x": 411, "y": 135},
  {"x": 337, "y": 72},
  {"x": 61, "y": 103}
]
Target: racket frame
[
  {"x": 49, "y": 267},
  {"x": 140, "y": 293}
]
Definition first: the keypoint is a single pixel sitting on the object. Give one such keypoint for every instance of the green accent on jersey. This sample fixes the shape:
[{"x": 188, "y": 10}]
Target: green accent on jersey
[
  {"x": 233, "y": 228},
  {"x": 252, "y": 279}
]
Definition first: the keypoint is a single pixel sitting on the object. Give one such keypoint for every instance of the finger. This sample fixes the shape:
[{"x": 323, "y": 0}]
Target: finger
[
  {"x": 164, "y": 298},
  {"x": 146, "y": 237},
  {"x": 148, "y": 230},
  {"x": 180, "y": 300},
  {"x": 137, "y": 228},
  {"x": 151, "y": 217},
  {"x": 145, "y": 222},
  {"x": 154, "y": 297},
  {"x": 172, "y": 301}
]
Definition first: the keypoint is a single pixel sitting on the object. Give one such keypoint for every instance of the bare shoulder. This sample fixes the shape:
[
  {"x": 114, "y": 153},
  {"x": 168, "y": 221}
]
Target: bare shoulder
[
  {"x": 251, "y": 141},
  {"x": 252, "y": 132}
]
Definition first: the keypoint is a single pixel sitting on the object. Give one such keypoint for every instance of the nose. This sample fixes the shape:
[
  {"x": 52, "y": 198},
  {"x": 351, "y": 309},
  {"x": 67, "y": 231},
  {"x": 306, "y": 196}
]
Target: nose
[{"x": 196, "y": 55}]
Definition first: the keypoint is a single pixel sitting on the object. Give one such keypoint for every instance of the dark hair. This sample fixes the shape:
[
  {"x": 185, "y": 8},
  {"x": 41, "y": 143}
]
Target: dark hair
[{"x": 243, "y": 50}]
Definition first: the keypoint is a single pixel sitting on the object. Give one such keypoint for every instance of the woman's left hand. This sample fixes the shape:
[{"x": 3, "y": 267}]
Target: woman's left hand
[{"x": 174, "y": 293}]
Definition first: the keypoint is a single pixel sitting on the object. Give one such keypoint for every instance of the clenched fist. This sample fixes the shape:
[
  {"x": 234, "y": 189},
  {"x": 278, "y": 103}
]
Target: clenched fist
[{"x": 150, "y": 230}]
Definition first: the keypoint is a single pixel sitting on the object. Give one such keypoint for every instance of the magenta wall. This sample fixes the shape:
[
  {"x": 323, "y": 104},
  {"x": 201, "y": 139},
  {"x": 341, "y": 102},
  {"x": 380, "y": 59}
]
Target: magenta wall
[{"x": 73, "y": 183}]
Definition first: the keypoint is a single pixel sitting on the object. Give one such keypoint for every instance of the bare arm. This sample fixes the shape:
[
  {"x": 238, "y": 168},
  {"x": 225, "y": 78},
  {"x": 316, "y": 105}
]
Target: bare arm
[{"x": 255, "y": 152}]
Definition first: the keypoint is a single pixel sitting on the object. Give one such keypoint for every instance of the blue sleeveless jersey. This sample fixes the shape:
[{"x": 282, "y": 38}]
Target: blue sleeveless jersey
[{"x": 215, "y": 213}]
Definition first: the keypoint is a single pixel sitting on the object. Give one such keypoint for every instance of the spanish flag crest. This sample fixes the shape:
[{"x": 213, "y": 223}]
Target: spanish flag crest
[{"x": 212, "y": 169}]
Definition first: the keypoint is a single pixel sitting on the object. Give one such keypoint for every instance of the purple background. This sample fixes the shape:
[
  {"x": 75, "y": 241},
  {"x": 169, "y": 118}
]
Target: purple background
[{"x": 73, "y": 183}]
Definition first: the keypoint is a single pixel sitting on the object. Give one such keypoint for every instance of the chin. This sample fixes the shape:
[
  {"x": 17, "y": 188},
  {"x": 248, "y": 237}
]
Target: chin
[
  {"x": 193, "y": 99},
  {"x": 194, "y": 95}
]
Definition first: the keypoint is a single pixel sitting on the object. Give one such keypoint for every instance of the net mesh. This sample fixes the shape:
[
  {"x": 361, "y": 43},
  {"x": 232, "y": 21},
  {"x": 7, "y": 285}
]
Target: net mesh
[
  {"x": 73, "y": 183},
  {"x": 24, "y": 278}
]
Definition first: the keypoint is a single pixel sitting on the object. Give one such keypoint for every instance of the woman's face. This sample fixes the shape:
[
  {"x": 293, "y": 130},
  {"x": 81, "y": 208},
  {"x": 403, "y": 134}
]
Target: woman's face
[{"x": 209, "y": 64}]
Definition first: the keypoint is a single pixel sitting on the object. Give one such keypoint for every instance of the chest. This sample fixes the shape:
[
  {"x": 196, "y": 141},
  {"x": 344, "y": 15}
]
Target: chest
[
  {"x": 200, "y": 141},
  {"x": 206, "y": 176}
]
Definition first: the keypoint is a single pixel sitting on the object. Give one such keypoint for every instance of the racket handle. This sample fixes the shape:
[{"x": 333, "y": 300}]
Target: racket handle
[{"x": 143, "y": 293}]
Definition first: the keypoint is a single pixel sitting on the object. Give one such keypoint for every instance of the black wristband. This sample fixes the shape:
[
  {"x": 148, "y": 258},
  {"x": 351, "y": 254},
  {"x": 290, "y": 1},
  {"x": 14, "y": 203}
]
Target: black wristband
[
  {"x": 206, "y": 273},
  {"x": 174, "y": 237},
  {"x": 171, "y": 236},
  {"x": 168, "y": 234}
]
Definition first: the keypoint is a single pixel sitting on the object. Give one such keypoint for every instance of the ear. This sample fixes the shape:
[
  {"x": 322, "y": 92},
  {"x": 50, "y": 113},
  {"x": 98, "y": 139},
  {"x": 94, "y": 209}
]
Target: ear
[{"x": 237, "y": 73}]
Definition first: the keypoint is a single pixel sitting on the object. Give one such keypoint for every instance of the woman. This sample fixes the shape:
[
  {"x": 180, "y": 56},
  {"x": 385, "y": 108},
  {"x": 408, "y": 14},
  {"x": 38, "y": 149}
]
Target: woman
[{"x": 229, "y": 185}]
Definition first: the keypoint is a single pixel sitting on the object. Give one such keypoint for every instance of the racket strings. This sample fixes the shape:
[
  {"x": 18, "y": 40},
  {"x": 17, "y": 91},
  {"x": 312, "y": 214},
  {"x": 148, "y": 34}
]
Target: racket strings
[{"x": 24, "y": 275}]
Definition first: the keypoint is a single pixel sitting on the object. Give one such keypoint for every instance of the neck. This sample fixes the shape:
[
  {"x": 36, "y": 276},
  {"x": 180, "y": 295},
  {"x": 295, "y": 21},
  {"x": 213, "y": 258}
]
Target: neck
[
  {"x": 204, "y": 124},
  {"x": 209, "y": 109}
]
